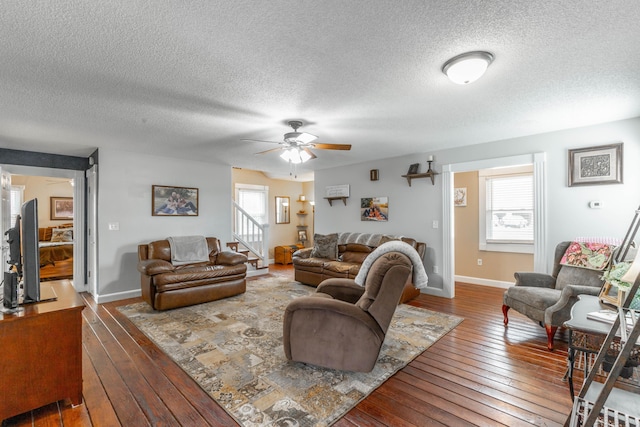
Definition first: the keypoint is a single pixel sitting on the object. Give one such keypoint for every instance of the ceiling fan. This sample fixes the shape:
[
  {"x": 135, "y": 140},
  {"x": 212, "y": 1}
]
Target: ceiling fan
[{"x": 296, "y": 146}]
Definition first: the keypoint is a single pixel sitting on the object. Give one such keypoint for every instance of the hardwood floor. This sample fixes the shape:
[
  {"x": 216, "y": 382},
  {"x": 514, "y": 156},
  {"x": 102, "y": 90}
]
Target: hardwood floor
[{"x": 481, "y": 373}]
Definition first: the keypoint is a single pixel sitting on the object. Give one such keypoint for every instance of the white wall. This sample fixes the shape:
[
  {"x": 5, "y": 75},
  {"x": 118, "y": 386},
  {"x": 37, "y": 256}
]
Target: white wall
[
  {"x": 124, "y": 197},
  {"x": 412, "y": 210}
]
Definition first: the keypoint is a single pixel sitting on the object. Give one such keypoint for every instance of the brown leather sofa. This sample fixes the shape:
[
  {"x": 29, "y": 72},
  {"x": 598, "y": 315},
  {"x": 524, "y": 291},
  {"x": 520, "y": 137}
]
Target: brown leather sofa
[
  {"x": 343, "y": 325},
  {"x": 166, "y": 286},
  {"x": 353, "y": 248}
]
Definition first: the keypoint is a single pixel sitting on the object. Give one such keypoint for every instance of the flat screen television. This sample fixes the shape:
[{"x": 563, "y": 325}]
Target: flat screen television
[{"x": 30, "y": 251}]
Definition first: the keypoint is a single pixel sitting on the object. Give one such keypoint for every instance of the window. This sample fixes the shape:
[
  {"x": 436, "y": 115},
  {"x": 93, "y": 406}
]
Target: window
[
  {"x": 254, "y": 200},
  {"x": 17, "y": 197},
  {"x": 506, "y": 209}
]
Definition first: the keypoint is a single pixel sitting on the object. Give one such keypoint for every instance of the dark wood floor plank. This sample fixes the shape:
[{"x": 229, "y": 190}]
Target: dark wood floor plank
[
  {"x": 198, "y": 398},
  {"x": 480, "y": 373},
  {"x": 95, "y": 397},
  {"x": 123, "y": 402},
  {"x": 170, "y": 395}
]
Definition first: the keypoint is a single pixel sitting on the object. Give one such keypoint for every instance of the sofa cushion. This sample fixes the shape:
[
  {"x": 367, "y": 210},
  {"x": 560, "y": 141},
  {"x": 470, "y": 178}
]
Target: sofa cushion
[
  {"x": 340, "y": 267},
  {"x": 184, "y": 276},
  {"x": 325, "y": 246},
  {"x": 354, "y": 257}
]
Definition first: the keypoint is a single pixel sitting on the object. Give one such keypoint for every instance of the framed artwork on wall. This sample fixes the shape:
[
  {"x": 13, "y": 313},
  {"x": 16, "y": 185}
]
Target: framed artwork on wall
[
  {"x": 460, "y": 196},
  {"x": 595, "y": 165},
  {"x": 374, "y": 209},
  {"x": 61, "y": 208},
  {"x": 174, "y": 201}
]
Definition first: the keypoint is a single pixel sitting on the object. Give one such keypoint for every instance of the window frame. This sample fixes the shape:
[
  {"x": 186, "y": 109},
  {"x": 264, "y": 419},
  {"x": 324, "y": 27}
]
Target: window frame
[{"x": 497, "y": 245}]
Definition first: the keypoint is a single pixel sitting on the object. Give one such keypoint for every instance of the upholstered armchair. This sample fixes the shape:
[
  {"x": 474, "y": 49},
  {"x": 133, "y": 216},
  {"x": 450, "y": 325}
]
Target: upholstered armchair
[
  {"x": 343, "y": 325},
  {"x": 547, "y": 299}
]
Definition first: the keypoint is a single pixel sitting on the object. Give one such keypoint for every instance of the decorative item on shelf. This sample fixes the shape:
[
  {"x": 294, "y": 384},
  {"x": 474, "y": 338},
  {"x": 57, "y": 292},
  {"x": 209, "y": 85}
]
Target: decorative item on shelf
[
  {"x": 337, "y": 192},
  {"x": 414, "y": 174},
  {"x": 373, "y": 175},
  {"x": 302, "y": 236}
]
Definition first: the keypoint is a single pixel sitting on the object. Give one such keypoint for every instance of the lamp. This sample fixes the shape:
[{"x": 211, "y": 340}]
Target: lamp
[{"x": 467, "y": 67}]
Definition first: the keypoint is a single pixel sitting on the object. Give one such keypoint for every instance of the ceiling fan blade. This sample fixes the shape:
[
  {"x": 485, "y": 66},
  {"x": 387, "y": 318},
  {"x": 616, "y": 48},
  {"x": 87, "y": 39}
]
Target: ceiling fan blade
[
  {"x": 270, "y": 150},
  {"x": 261, "y": 140},
  {"x": 332, "y": 146},
  {"x": 309, "y": 152},
  {"x": 306, "y": 138}
]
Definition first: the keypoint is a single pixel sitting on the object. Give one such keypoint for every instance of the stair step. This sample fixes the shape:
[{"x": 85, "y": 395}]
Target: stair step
[{"x": 254, "y": 262}]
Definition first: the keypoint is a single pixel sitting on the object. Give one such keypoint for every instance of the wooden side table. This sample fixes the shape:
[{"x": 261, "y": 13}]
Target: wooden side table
[{"x": 41, "y": 358}]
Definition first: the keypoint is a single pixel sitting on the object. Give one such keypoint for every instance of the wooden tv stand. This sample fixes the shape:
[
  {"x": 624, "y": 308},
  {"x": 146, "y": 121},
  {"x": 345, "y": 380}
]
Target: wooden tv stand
[{"x": 41, "y": 356}]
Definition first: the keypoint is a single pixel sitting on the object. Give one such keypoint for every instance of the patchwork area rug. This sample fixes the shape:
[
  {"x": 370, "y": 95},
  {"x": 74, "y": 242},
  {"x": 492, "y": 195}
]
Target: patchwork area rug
[{"x": 233, "y": 349}]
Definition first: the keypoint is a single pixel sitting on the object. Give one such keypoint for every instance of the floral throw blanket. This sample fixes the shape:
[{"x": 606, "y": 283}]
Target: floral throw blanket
[{"x": 594, "y": 256}]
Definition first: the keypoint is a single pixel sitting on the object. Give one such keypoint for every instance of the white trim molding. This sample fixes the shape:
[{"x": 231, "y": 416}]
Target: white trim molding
[{"x": 540, "y": 218}]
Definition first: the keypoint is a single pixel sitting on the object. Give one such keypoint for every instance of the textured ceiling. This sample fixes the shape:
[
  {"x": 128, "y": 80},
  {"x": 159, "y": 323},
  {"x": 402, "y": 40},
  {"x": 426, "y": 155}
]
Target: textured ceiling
[{"x": 192, "y": 78}]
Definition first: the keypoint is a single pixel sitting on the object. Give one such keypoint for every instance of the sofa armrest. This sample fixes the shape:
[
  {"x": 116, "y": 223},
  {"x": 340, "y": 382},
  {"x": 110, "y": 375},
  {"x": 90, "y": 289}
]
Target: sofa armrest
[
  {"x": 560, "y": 312},
  {"x": 151, "y": 267},
  {"x": 538, "y": 280},
  {"x": 341, "y": 289},
  {"x": 302, "y": 253},
  {"x": 230, "y": 258}
]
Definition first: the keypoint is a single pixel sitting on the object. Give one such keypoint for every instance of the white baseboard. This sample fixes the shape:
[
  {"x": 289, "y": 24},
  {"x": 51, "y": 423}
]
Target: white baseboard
[
  {"x": 433, "y": 291},
  {"x": 100, "y": 299},
  {"x": 259, "y": 272},
  {"x": 483, "y": 282}
]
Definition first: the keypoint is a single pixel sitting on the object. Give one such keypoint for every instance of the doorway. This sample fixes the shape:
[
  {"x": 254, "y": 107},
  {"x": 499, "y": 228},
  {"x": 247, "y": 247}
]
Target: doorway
[
  {"x": 538, "y": 160},
  {"x": 61, "y": 201}
]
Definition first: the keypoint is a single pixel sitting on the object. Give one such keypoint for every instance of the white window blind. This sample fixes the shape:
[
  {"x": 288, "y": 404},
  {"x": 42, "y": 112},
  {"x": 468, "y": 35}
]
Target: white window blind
[
  {"x": 509, "y": 208},
  {"x": 17, "y": 197},
  {"x": 253, "y": 199}
]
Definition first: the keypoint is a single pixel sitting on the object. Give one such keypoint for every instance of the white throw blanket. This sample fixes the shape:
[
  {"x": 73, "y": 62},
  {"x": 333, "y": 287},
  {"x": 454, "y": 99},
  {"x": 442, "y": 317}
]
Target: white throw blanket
[
  {"x": 420, "y": 278},
  {"x": 188, "y": 249}
]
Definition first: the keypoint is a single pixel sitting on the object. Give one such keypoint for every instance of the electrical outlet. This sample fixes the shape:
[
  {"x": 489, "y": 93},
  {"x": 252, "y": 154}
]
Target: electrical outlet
[
  {"x": 114, "y": 226},
  {"x": 436, "y": 269},
  {"x": 435, "y": 224},
  {"x": 479, "y": 261}
]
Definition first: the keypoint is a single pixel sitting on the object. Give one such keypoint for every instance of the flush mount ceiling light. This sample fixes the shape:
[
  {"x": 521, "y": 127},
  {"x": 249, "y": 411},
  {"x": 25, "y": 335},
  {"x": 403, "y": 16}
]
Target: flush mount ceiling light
[{"x": 467, "y": 67}]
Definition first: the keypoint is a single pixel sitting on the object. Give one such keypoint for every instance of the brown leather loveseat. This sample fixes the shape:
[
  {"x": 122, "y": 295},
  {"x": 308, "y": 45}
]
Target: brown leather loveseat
[
  {"x": 166, "y": 286},
  {"x": 352, "y": 249}
]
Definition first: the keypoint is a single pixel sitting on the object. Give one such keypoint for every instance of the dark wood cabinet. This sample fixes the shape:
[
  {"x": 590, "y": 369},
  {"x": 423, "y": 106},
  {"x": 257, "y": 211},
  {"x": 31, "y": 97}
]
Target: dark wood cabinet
[{"x": 41, "y": 352}]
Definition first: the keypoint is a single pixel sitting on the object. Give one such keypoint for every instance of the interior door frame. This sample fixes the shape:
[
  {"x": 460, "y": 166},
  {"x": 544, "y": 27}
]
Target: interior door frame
[
  {"x": 538, "y": 160},
  {"x": 79, "y": 214}
]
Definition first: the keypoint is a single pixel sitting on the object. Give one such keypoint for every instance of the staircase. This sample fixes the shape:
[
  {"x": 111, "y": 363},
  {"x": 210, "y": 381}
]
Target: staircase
[
  {"x": 251, "y": 259},
  {"x": 250, "y": 238}
]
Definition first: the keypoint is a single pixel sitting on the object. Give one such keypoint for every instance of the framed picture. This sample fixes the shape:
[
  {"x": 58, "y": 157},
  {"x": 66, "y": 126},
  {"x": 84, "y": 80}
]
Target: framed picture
[
  {"x": 374, "y": 209},
  {"x": 596, "y": 165},
  {"x": 302, "y": 235},
  {"x": 174, "y": 201},
  {"x": 460, "y": 196},
  {"x": 413, "y": 169},
  {"x": 61, "y": 208}
]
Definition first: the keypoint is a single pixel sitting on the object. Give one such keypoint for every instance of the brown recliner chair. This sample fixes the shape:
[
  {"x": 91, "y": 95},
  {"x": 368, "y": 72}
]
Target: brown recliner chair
[{"x": 343, "y": 325}]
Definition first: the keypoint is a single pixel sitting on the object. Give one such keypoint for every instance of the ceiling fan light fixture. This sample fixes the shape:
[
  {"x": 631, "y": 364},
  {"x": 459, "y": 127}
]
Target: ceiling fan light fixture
[
  {"x": 467, "y": 67},
  {"x": 295, "y": 155}
]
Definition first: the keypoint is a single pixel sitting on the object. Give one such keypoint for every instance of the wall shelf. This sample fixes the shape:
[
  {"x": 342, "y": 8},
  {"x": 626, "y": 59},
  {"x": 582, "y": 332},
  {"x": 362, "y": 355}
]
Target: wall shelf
[
  {"x": 343, "y": 198},
  {"x": 429, "y": 174}
]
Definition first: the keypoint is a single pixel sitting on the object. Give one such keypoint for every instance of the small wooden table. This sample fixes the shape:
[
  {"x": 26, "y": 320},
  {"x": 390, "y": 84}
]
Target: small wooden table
[{"x": 41, "y": 357}]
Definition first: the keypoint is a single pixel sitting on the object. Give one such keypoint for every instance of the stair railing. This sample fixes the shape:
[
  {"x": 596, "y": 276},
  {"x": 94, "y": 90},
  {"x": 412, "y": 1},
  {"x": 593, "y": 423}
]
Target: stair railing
[{"x": 250, "y": 233}]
